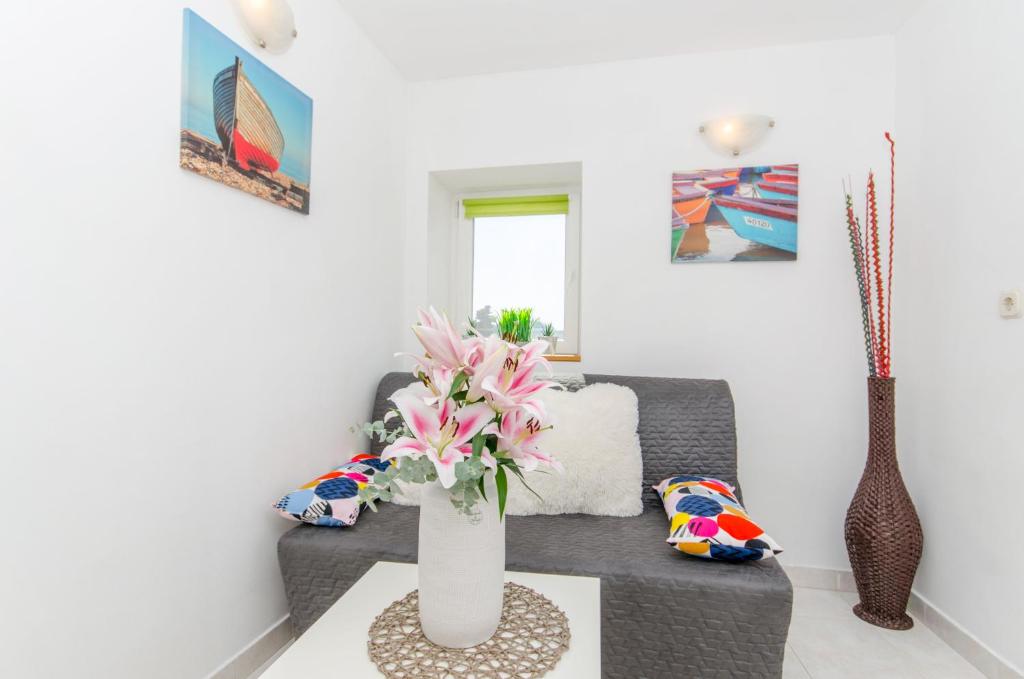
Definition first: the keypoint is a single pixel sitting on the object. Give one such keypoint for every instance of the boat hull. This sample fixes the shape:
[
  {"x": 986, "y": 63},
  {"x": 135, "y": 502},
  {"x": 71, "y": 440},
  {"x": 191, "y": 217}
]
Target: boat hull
[
  {"x": 693, "y": 211},
  {"x": 778, "y": 190},
  {"x": 774, "y": 195},
  {"x": 783, "y": 177},
  {"x": 721, "y": 187},
  {"x": 248, "y": 131},
  {"x": 769, "y": 230}
]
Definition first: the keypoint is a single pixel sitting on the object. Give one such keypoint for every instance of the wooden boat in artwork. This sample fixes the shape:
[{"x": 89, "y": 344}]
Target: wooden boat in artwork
[
  {"x": 690, "y": 205},
  {"x": 248, "y": 131},
  {"x": 724, "y": 186},
  {"x": 768, "y": 222},
  {"x": 791, "y": 169},
  {"x": 778, "y": 190},
  {"x": 776, "y": 177}
]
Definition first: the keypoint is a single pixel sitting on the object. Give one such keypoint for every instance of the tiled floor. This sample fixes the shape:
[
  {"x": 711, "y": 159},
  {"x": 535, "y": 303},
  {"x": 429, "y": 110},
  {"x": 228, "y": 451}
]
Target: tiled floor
[{"x": 826, "y": 641}]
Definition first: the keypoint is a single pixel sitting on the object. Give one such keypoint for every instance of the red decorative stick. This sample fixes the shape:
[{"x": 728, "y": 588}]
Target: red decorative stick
[
  {"x": 892, "y": 233},
  {"x": 875, "y": 290},
  {"x": 867, "y": 280},
  {"x": 876, "y": 253}
]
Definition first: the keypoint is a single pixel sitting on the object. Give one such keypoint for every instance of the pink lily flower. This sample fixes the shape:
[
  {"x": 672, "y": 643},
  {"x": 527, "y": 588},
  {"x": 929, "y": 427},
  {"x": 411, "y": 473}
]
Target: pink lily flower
[
  {"x": 487, "y": 358},
  {"x": 442, "y": 433},
  {"x": 519, "y": 437},
  {"x": 442, "y": 342},
  {"x": 434, "y": 384},
  {"x": 507, "y": 382}
]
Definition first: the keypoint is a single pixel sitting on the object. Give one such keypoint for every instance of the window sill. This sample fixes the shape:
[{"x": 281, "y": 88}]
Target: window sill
[{"x": 563, "y": 358}]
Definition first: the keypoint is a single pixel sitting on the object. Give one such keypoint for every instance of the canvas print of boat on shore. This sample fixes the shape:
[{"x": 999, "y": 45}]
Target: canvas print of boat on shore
[
  {"x": 242, "y": 124},
  {"x": 741, "y": 214}
]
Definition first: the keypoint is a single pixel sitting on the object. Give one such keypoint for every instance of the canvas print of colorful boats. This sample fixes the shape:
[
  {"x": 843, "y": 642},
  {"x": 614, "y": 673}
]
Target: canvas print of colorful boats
[
  {"x": 735, "y": 214},
  {"x": 241, "y": 123}
]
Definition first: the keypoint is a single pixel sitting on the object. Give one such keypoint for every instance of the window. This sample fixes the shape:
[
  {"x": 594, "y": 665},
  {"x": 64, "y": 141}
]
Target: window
[{"x": 520, "y": 250}]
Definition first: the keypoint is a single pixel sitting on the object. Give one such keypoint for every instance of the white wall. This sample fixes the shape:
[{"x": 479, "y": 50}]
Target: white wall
[
  {"x": 785, "y": 335},
  {"x": 960, "y": 99},
  {"x": 440, "y": 201},
  {"x": 174, "y": 354}
]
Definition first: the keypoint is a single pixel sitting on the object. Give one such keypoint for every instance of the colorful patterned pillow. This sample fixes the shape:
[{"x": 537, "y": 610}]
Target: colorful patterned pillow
[
  {"x": 708, "y": 521},
  {"x": 332, "y": 499}
]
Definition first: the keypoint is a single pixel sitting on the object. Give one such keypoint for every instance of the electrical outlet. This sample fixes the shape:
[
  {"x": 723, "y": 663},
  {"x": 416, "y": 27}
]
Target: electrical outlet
[{"x": 1009, "y": 304}]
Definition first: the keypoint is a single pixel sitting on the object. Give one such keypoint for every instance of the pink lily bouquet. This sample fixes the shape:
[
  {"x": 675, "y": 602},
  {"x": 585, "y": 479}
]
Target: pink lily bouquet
[{"x": 475, "y": 410}]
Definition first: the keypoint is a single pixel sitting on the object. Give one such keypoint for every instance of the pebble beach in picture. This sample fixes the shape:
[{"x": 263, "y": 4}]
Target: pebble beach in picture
[
  {"x": 743, "y": 214},
  {"x": 241, "y": 123}
]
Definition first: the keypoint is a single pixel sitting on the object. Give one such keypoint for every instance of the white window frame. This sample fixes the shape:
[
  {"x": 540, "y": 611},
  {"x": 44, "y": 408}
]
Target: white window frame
[{"x": 462, "y": 259}]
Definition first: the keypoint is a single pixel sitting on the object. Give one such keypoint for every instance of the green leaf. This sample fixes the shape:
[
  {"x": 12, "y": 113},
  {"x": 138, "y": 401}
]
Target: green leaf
[
  {"x": 460, "y": 379},
  {"x": 502, "y": 483},
  {"x": 480, "y": 485},
  {"x": 463, "y": 472},
  {"x": 368, "y": 500},
  {"x": 519, "y": 472},
  {"x": 478, "y": 444}
]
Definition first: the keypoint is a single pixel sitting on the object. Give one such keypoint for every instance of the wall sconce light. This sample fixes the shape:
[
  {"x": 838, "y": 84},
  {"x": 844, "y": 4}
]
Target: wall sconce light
[
  {"x": 270, "y": 23},
  {"x": 736, "y": 134}
]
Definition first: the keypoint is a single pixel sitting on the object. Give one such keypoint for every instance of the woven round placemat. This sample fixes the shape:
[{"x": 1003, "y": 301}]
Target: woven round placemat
[{"x": 532, "y": 636}]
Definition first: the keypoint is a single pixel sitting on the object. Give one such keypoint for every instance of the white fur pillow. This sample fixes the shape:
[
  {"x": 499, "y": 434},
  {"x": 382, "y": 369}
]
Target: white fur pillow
[{"x": 595, "y": 439}]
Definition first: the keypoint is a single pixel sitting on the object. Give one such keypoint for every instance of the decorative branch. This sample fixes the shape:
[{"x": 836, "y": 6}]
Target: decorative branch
[
  {"x": 875, "y": 290},
  {"x": 883, "y": 340},
  {"x": 858, "y": 265},
  {"x": 865, "y": 258},
  {"x": 892, "y": 226}
]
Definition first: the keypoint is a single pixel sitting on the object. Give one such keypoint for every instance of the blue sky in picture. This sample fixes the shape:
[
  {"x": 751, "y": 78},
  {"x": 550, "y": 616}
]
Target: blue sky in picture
[{"x": 207, "y": 51}]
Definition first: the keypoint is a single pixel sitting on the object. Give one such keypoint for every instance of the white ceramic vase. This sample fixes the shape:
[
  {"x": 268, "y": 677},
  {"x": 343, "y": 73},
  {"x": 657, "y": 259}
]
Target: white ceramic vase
[{"x": 461, "y": 568}]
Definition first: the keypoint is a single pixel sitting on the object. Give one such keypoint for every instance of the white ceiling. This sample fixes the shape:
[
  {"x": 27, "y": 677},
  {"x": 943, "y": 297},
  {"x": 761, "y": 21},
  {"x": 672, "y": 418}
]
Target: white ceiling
[{"x": 429, "y": 39}]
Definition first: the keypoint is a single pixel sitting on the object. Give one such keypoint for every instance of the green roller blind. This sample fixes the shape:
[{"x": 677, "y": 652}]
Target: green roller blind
[{"x": 516, "y": 206}]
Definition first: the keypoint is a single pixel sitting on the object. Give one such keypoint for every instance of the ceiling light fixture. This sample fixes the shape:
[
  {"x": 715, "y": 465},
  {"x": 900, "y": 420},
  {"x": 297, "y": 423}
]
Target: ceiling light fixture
[
  {"x": 736, "y": 134},
  {"x": 270, "y": 23}
]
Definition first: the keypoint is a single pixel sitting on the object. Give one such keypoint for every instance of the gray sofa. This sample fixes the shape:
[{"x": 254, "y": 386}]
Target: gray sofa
[{"x": 663, "y": 614}]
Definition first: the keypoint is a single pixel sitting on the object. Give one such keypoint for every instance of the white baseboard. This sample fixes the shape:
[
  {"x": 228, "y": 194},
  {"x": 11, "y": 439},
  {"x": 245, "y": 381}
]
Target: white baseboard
[
  {"x": 261, "y": 649},
  {"x": 987, "y": 661},
  {"x": 821, "y": 578}
]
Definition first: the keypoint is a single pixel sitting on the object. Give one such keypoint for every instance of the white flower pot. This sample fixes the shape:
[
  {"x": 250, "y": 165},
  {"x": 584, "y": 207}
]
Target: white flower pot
[
  {"x": 461, "y": 568},
  {"x": 552, "y": 341}
]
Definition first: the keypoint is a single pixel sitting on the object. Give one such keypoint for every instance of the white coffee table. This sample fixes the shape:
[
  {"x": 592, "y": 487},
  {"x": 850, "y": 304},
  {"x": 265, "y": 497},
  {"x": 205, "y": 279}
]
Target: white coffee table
[{"x": 335, "y": 645}]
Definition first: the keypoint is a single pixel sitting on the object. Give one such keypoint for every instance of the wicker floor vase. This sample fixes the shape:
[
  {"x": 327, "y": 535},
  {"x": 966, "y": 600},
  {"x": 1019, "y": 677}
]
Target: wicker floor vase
[{"x": 883, "y": 534}]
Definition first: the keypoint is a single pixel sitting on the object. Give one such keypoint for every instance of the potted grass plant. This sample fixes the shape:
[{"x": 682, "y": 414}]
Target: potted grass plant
[
  {"x": 516, "y": 325},
  {"x": 550, "y": 337}
]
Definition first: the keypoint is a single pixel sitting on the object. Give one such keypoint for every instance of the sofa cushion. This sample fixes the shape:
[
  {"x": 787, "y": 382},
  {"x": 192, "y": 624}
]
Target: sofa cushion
[
  {"x": 707, "y": 520},
  {"x": 594, "y": 439},
  {"x": 333, "y": 498},
  {"x": 569, "y": 544}
]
